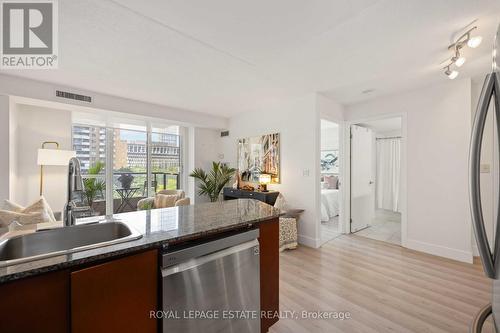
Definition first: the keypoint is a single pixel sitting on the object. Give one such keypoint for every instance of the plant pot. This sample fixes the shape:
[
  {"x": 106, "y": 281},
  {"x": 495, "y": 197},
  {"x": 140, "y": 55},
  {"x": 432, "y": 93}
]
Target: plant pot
[{"x": 126, "y": 180}]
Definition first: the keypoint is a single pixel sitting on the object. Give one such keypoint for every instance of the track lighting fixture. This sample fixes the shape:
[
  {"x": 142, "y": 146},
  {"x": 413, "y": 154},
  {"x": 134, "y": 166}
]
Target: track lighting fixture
[
  {"x": 466, "y": 39},
  {"x": 457, "y": 59},
  {"x": 452, "y": 74}
]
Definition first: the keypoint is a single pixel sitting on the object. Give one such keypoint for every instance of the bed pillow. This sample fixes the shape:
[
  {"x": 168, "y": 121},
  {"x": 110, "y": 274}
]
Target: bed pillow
[{"x": 332, "y": 182}]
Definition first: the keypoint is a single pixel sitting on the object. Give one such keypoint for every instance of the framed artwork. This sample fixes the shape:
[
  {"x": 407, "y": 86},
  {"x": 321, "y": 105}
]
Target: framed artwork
[
  {"x": 329, "y": 161},
  {"x": 259, "y": 154}
]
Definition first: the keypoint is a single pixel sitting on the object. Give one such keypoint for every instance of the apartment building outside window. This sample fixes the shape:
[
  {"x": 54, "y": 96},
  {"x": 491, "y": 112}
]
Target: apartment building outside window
[{"x": 150, "y": 158}]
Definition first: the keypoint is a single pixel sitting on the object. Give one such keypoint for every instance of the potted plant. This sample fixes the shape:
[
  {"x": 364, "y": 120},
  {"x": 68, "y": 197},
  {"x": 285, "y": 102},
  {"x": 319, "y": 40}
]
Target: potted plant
[
  {"x": 212, "y": 183},
  {"x": 126, "y": 180},
  {"x": 93, "y": 186}
]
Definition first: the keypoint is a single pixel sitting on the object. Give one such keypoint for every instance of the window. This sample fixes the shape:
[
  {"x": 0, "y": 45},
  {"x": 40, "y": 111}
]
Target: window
[{"x": 143, "y": 162}]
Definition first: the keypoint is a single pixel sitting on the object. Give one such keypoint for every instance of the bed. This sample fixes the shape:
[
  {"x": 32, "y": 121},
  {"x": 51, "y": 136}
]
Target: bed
[{"x": 329, "y": 204}]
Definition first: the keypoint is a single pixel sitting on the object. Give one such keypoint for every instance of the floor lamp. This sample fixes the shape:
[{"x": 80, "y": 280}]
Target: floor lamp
[{"x": 52, "y": 157}]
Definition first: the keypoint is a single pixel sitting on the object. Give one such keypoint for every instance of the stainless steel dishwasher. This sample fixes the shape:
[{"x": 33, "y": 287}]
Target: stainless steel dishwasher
[{"x": 213, "y": 286}]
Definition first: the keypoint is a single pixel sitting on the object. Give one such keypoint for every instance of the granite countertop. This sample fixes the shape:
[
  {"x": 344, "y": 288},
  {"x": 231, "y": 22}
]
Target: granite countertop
[{"x": 159, "y": 227}]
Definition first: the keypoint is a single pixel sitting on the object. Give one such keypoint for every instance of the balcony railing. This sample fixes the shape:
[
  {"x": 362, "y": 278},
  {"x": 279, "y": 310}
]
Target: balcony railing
[{"x": 159, "y": 181}]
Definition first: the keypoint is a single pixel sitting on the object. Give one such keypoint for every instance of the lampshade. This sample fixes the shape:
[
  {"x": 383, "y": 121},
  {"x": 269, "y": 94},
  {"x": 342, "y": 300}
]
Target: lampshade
[
  {"x": 264, "y": 178},
  {"x": 54, "y": 156}
]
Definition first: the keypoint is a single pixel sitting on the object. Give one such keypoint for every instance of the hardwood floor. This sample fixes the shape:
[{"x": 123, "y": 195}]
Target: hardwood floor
[
  {"x": 384, "y": 287},
  {"x": 330, "y": 230},
  {"x": 385, "y": 226}
]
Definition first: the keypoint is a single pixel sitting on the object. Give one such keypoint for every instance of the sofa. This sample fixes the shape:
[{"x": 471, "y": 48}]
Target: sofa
[{"x": 164, "y": 199}]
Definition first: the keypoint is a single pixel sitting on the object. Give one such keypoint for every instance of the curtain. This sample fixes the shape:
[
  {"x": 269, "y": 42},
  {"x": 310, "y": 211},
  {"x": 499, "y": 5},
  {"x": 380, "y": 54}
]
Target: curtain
[{"x": 388, "y": 179}]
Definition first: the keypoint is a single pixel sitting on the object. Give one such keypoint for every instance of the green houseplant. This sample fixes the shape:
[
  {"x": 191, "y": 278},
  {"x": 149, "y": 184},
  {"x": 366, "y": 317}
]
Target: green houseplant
[
  {"x": 94, "y": 186},
  {"x": 212, "y": 182}
]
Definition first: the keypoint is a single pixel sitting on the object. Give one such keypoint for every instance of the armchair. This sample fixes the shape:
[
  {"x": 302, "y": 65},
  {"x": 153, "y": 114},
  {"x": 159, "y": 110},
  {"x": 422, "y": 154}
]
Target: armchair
[{"x": 173, "y": 198}]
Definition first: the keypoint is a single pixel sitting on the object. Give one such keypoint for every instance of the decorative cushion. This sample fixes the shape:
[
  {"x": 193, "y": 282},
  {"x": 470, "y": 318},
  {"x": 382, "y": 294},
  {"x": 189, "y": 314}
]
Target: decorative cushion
[
  {"x": 183, "y": 202},
  {"x": 38, "y": 207},
  {"x": 12, "y": 206},
  {"x": 146, "y": 204},
  {"x": 7, "y": 217},
  {"x": 165, "y": 200}
]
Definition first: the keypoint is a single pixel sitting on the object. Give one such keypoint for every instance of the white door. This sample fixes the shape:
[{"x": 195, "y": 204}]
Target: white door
[{"x": 362, "y": 183}]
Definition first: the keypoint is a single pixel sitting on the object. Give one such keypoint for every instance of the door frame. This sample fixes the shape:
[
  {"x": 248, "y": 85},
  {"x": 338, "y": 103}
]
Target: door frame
[
  {"x": 404, "y": 169},
  {"x": 342, "y": 211}
]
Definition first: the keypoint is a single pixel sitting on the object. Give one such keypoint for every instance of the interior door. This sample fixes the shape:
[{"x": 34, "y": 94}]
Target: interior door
[{"x": 362, "y": 183}]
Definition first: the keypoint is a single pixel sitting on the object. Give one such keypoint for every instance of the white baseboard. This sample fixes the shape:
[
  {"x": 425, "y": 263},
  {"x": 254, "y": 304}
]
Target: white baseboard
[
  {"x": 309, "y": 241},
  {"x": 439, "y": 250}
]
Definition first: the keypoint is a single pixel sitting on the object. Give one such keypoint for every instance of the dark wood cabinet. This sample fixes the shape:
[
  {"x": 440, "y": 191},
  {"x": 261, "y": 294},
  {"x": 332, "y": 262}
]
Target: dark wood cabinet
[
  {"x": 267, "y": 197},
  {"x": 36, "y": 304},
  {"x": 116, "y": 296},
  {"x": 269, "y": 272}
]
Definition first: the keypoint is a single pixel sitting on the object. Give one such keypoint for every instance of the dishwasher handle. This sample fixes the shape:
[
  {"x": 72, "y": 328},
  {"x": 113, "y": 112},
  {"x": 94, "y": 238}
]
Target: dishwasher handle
[
  {"x": 176, "y": 257},
  {"x": 186, "y": 265}
]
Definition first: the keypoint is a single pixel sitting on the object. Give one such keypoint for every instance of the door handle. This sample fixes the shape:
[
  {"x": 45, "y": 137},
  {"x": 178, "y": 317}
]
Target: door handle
[
  {"x": 370, "y": 182},
  {"x": 474, "y": 176}
]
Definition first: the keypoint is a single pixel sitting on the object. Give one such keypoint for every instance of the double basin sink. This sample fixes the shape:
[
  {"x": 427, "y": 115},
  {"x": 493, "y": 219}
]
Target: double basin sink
[{"x": 61, "y": 241}]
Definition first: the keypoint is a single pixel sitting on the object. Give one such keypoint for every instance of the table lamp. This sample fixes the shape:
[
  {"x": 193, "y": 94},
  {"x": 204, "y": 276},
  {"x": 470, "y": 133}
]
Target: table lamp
[
  {"x": 264, "y": 179},
  {"x": 52, "y": 157}
]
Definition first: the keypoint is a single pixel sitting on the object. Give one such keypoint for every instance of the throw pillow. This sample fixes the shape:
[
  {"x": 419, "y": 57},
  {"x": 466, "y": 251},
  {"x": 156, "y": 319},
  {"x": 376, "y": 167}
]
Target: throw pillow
[
  {"x": 8, "y": 217},
  {"x": 40, "y": 205},
  {"x": 165, "y": 200},
  {"x": 12, "y": 206}
]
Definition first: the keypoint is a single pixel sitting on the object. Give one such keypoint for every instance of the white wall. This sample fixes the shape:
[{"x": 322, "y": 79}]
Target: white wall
[
  {"x": 204, "y": 148},
  {"x": 33, "y": 126},
  {"x": 5, "y": 138},
  {"x": 297, "y": 121},
  {"x": 43, "y": 91},
  {"x": 329, "y": 137},
  {"x": 438, "y": 128}
]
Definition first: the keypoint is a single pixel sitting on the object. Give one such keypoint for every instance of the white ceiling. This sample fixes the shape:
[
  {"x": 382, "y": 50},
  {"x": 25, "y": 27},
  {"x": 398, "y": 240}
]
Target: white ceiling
[{"x": 230, "y": 56}]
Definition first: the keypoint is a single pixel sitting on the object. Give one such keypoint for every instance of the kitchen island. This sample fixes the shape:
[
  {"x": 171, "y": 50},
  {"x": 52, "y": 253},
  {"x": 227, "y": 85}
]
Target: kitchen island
[{"x": 114, "y": 288}]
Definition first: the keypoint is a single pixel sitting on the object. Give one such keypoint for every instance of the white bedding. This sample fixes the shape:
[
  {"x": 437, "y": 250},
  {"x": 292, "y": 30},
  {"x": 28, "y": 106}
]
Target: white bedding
[{"x": 329, "y": 204}]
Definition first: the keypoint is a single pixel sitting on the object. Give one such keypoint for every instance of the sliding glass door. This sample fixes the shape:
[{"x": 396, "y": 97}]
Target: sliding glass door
[{"x": 143, "y": 160}]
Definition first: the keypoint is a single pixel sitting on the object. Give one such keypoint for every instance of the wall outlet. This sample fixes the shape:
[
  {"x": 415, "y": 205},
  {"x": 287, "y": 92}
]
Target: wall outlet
[{"x": 485, "y": 168}]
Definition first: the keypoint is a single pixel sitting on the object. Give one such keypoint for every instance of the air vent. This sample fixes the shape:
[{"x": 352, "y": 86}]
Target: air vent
[
  {"x": 76, "y": 97},
  {"x": 224, "y": 133}
]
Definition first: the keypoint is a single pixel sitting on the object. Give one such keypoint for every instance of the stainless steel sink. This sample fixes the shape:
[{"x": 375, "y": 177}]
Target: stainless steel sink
[{"x": 64, "y": 240}]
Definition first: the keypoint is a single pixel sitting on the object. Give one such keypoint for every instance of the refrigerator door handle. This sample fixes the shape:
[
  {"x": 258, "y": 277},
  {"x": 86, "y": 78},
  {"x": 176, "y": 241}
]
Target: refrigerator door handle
[{"x": 474, "y": 176}]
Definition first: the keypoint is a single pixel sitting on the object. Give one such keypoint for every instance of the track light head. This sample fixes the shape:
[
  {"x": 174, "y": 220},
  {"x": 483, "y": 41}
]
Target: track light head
[
  {"x": 474, "y": 42},
  {"x": 452, "y": 74},
  {"x": 457, "y": 59}
]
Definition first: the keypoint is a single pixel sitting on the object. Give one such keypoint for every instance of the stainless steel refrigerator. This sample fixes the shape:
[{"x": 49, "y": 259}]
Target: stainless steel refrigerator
[{"x": 488, "y": 110}]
